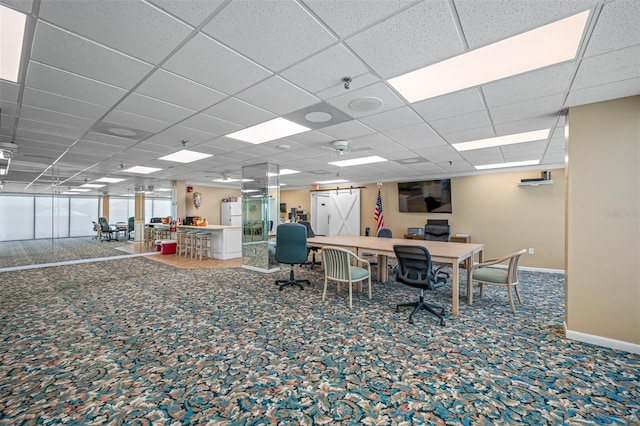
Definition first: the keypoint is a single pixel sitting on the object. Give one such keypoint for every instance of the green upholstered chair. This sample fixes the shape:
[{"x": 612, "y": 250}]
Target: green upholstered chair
[
  {"x": 482, "y": 273},
  {"x": 339, "y": 266}
]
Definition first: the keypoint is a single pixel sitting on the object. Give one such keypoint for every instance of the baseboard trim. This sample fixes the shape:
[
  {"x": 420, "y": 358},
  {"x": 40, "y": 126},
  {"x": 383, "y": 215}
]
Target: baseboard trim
[
  {"x": 74, "y": 262},
  {"x": 253, "y": 268},
  {"x": 533, "y": 269},
  {"x": 602, "y": 341}
]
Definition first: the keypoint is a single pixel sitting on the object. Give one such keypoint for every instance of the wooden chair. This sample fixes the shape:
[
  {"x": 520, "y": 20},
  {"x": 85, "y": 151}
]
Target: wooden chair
[
  {"x": 338, "y": 267},
  {"x": 482, "y": 274}
]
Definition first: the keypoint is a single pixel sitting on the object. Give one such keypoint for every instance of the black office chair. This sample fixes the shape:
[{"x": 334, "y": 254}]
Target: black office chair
[
  {"x": 312, "y": 249},
  {"x": 416, "y": 270},
  {"x": 106, "y": 232},
  {"x": 291, "y": 248},
  {"x": 131, "y": 228},
  {"x": 437, "y": 232}
]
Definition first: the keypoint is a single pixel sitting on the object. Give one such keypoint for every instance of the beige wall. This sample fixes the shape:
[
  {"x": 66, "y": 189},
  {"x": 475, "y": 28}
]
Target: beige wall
[
  {"x": 603, "y": 220},
  {"x": 493, "y": 209},
  {"x": 211, "y": 199}
]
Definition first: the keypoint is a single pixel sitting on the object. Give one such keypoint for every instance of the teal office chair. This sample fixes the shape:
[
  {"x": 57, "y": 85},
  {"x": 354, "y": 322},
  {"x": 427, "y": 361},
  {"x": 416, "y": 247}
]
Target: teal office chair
[{"x": 291, "y": 248}]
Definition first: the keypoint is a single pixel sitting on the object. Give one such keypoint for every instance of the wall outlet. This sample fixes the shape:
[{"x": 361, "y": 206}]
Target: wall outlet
[{"x": 531, "y": 250}]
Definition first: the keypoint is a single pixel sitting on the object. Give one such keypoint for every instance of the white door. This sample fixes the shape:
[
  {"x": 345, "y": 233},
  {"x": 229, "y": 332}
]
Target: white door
[
  {"x": 344, "y": 218},
  {"x": 320, "y": 213}
]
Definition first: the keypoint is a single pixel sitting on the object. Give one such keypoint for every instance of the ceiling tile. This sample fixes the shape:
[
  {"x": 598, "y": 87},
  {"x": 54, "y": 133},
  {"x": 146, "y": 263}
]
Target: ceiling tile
[
  {"x": 49, "y": 129},
  {"x": 277, "y": 95},
  {"x": 153, "y": 108},
  {"x": 134, "y": 121},
  {"x": 469, "y": 134},
  {"x": 472, "y": 120},
  {"x": 9, "y": 91},
  {"x": 605, "y": 92},
  {"x": 52, "y": 80},
  {"x": 174, "y": 136},
  {"x": 485, "y": 22},
  {"x": 192, "y": 11},
  {"x": 544, "y": 106},
  {"x": 280, "y": 45},
  {"x": 535, "y": 84},
  {"x": 62, "y": 104},
  {"x": 207, "y": 62},
  {"x": 208, "y": 124},
  {"x": 392, "y": 119},
  {"x": 415, "y": 137},
  {"x": 325, "y": 69},
  {"x": 390, "y": 50},
  {"x": 52, "y": 117},
  {"x": 63, "y": 50},
  {"x": 615, "y": 66},
  {"x": 345, "y": 18},
  {"x": 132, "y": 27},
  {"x": 450, "y": 105},
  {"x": 239, "y": 112},
  {"x": 347, "y": 130},
  {"x": 617, "y": 27},
  {"x": 172, "y": 88},
  {"x": 378, "y": 90}
]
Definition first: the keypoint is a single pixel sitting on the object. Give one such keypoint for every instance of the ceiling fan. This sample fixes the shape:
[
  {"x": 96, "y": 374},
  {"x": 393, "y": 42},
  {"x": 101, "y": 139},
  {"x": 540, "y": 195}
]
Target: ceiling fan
[{"x": 340, "y": 147}]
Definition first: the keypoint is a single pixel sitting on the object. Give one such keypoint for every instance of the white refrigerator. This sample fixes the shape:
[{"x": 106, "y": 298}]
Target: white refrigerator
[{"x": 231, "y": 213}]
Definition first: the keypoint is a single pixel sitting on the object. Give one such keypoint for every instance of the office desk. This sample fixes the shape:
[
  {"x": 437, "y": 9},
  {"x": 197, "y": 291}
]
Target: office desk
[{"x": 450, "y": 253}]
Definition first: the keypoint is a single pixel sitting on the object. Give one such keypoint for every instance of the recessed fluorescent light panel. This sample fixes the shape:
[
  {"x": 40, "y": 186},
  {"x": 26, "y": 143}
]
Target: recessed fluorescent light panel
[
  {"x": 328, "y": 182},
  {"x": 358, "y": 161},
  {"x": 142, "y": 170},
  {"x": 92, "y": 185},
  {"x": 512, "y": 164},
  {"x": 11, "y": 36},
  {"x": 536, "y": 135},
  {"x": 283, "y": 172},
  {"x": 110, "y": 180},
  {"x": 79, "y": 190},
  {"x": 185, "y": 156},
  {"x": 547, "y": 45},
  {"x": 268, "y": 131}
]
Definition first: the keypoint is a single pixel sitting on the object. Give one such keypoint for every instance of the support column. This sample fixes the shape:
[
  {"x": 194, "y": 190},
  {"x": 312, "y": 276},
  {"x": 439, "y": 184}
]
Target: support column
[{"x": 138, "y": 225}]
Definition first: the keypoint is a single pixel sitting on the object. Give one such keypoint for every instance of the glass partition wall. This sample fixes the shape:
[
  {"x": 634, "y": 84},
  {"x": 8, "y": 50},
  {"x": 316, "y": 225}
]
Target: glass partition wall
[{"x": 260, "y": 201}]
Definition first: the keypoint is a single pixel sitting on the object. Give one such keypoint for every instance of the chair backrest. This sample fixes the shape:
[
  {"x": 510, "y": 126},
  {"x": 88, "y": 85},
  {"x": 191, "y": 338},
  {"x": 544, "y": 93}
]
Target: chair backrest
[
  {"x": 385, "y": 233},
  {"x": 437, "y": 232},
  {"x": 310, "y": 233},
  {"x": 337, "y": 262},
  {"x": 291, "y": 243},
  {"x": 104, "y": 225},
  {"x": 131, "y": 223},
  {"x": 514, "y": 261},
  {"x": 415, "y": 267}
]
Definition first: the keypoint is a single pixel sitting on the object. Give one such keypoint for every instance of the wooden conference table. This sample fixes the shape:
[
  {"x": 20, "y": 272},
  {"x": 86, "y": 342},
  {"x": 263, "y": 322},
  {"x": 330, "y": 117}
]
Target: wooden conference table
[{"x": 442, "y": 252}]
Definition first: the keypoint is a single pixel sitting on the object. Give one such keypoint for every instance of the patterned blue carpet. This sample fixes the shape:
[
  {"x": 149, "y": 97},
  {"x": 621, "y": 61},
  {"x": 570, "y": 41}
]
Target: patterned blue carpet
[{"x": 133, "y": 341}]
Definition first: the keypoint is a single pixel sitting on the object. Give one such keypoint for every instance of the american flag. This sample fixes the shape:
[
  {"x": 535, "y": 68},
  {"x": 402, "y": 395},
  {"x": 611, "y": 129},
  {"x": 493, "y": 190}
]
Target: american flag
[{"x": 377, "y": 214}]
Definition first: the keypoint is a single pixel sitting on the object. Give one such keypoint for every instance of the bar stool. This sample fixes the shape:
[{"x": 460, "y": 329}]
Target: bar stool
[
  {"x": 181, "y": 238},
  {"x": 190, "y": 243},
  {"x": 162, "y": 233},
  {"x": 148, "y": 236},
  {"x": 203, "y": 244}
]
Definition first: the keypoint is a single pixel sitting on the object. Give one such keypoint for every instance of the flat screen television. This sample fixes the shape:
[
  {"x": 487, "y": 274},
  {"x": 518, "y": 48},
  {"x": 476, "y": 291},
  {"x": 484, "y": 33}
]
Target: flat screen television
[{"x": 427, "y": 196}]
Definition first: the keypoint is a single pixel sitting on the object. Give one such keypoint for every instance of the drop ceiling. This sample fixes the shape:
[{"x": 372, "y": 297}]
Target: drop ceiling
[{"x": 106, "y": 85}]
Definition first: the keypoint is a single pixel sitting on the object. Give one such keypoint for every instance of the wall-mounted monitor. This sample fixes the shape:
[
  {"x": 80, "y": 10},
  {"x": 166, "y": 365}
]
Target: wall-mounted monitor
[{"x": 427, "y": 196}]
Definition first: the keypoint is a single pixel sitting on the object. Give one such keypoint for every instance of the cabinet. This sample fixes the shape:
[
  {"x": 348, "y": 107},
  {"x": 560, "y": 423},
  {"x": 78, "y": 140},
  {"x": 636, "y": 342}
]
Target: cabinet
[{"x": 231, "y": 213}]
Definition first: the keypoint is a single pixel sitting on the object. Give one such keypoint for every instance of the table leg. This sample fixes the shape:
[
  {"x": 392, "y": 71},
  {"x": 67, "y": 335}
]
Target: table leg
[
  {"x": 455, "y": 286},
  {"x": 383, "y": 274}
]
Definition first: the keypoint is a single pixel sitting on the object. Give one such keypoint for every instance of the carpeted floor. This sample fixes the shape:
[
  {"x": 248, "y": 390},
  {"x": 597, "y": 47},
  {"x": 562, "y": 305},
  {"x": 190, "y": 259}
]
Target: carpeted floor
[{"x": 132, "y": 341}]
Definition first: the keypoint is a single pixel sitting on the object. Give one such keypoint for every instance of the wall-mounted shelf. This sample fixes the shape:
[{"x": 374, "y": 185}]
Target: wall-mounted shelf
[{"x": 536, "y": 183}]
